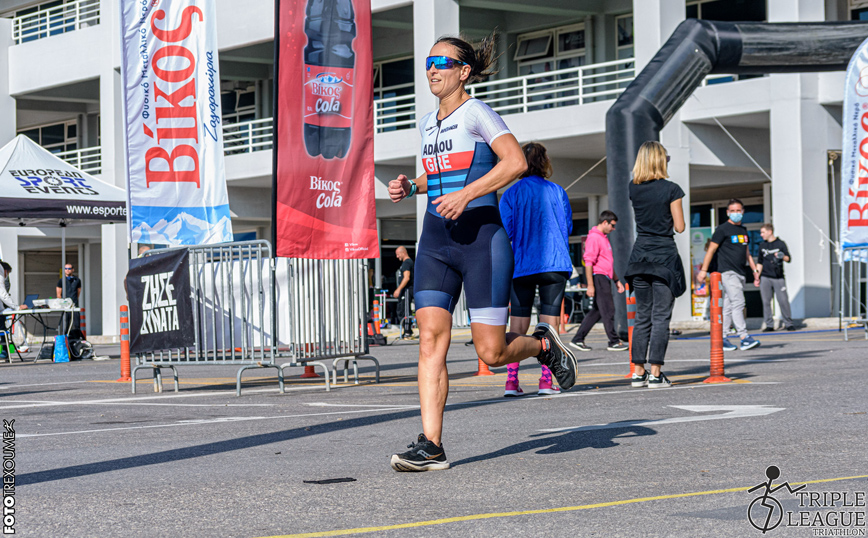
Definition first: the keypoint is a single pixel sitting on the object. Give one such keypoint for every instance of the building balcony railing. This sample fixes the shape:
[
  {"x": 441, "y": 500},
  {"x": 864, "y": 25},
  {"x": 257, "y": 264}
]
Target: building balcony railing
[
  {"x": 56, "y": 20},
  {"x": 247, "y": 136},
  {"x": 552, "y": 89},
  {"x": 394, "y": 109},
  {"x": 87, "y": 160}
]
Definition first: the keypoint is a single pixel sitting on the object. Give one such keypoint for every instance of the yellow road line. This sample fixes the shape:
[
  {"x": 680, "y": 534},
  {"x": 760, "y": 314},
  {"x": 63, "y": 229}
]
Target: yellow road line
[{"x": 474, "y": 517}]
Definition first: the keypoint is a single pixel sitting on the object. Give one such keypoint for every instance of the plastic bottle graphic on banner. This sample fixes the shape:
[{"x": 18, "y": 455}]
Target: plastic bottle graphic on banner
[
  {"x": 329, "y": 63},
  {"x": 324, "y": 205},
  {"x": 173, "y": 118}
]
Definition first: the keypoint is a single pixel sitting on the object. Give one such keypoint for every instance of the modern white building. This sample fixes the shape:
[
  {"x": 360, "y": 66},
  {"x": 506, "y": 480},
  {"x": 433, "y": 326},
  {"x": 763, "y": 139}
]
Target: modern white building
[{"x": 562, "y": 62}]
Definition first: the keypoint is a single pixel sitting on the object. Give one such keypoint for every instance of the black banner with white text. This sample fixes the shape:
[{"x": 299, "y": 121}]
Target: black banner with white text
[{"x": 161, "y": 312}]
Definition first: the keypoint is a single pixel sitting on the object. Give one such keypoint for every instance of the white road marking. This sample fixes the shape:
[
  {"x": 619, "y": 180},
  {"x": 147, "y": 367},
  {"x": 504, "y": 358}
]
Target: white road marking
[
  {"x": 137, "y": 399},
  {"x": 733, "y": 411},
  {"x": 324, "y": 404},
  {"x": 726, "y": 361},
  {"x": 203, "y": 421}
]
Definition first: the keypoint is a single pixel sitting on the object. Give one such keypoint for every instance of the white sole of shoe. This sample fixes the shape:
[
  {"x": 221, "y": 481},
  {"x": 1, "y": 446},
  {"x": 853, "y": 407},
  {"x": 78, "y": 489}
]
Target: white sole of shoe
[
  {"x": 512, "y": 393},
  {"x": 617, "y": 349},
  {"x": 638, "y": 384},
  {"x": 659, "y": 385},
  {"x": 574, "y": 346},
  {"x": 548, "y": 392},
  {"x": 405, "y": 466}
]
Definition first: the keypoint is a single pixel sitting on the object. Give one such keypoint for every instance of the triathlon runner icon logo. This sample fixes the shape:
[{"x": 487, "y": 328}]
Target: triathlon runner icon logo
[{"x": 765, "y": 512}]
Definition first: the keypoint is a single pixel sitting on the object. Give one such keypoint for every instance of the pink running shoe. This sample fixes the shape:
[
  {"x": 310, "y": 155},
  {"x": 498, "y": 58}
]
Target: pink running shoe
[
  {"x": 512, "y": 389},
  {"x": 545, "y": 383},
  {"x": 548, "y": 389}
]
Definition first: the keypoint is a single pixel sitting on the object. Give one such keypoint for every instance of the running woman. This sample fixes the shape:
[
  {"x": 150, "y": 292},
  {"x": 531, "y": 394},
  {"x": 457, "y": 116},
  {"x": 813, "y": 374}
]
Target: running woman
[{"x": 468, "y": 154}]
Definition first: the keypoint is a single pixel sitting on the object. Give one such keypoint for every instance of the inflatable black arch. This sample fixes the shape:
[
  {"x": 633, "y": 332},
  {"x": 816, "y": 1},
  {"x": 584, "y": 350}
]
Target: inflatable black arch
[{"x": 698, "y": 48}]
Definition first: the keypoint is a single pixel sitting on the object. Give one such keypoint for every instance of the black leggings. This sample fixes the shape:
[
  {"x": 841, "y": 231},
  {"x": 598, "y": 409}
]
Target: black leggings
[{"x": 551, "y": 293}]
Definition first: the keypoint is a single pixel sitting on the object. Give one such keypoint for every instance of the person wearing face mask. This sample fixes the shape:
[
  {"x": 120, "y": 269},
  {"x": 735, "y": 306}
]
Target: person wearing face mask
[{"x": 730, "y": 241}]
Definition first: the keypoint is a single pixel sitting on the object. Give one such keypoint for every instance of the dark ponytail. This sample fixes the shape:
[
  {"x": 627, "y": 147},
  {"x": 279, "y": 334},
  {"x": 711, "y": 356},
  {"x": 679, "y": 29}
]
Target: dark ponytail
[
  {"x": 481, "y": 59},
  {"x": 538, "y": 163}
]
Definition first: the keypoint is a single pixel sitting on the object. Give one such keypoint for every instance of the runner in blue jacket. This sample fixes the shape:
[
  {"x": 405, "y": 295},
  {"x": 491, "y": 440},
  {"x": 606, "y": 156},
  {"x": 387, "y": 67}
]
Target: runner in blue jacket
[{"x": 538, "y": 219}]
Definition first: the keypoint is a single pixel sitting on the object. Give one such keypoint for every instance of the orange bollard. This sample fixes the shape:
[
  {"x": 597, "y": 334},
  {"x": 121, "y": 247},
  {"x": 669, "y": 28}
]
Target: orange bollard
[
  {"x": 716, "y": 332},
  {"x": 377, "y": 316},
  {"x": 125, "y": 344},
  {"x": 309, "y": 372},
  {"x": 631, "y": 321},
  {"x": 483, "y": 369},
  {"x": 83, "y": 325}
]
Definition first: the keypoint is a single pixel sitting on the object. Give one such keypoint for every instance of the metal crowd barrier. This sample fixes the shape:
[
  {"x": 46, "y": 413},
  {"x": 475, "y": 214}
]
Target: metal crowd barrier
[
  {"x": 238, "y": 289},
  {"x": 234, "y": 318},
  {"x": 327, "y": 303},
  {"x": 854, "y": 295}
]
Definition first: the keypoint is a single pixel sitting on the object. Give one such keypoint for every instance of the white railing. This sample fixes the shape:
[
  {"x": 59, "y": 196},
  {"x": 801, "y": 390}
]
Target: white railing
[
  {"x": 247, "y": 136},
  {"x": 56, "y": 20},
  {"x": 393, "y": 111},
  {"x": 551, "y": 89},
  {"x": 87, "y": 160}
]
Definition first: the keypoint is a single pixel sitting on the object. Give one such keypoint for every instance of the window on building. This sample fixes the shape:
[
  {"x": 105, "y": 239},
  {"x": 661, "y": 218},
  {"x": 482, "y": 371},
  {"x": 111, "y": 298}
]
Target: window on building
[
  {"x": 394, "y": 79},
  {"x": 624, "y": 36},
  {"x": 727, "y": 10},
  {"x": 858, "y": 10},
  {"x": 550, "y": 50},
  {"x": 55, "y": 137},
  {"x": 239, "y": 105}
]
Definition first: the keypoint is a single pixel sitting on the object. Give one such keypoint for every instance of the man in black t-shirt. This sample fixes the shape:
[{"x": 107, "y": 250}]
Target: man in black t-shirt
[
  {"x": 773, "y": 254},
  {"x": 73, "y": 291},
  {"x": 404, "y": 291},
  {"x": 730, "y": 242}
]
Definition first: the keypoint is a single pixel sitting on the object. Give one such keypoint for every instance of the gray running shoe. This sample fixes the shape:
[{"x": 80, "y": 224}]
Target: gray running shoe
[{"x": 556, "y": 356}]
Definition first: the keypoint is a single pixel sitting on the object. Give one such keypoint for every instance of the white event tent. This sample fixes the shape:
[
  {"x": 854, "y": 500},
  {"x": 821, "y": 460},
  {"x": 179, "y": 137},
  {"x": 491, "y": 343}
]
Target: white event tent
[{"x": 39, "y": 189}]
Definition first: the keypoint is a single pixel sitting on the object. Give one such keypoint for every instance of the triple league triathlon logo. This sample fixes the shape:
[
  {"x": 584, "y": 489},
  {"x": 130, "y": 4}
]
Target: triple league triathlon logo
[
  {"x": 825, "y": 513},
  {"x": 765, "y": 512}
]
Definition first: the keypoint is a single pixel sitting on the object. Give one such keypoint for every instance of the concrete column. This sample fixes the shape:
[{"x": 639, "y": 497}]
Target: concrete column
[
  {"x": 593, "y": 211},
  {"x": 431, "y": 19},
  {"x": 800, "y": 198},
  {"x": 8, "y": 236},
  {"x": 9, "y": 254},
  {"x": 796, "y": 11},
  {"x": 653, "y": 23},
  {"x": 674, "y": 136},
  {"x": 7, "y": 103},
  {"x": 115, "y": 247}
]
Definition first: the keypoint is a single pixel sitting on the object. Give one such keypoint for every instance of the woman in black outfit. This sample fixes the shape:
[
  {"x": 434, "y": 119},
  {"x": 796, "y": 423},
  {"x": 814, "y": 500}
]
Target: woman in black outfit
[{"x": 654, "y": 271}]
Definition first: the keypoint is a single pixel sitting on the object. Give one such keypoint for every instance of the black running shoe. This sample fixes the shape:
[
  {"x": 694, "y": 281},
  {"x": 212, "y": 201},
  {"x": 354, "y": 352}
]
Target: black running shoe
[
  {"x": 422, "y": 456},
  {"x": 556, "y": 356}
]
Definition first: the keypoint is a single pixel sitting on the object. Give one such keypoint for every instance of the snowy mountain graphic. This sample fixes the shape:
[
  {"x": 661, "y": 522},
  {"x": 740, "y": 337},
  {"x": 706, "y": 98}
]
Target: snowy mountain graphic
[{"x": 184, "y": 229}]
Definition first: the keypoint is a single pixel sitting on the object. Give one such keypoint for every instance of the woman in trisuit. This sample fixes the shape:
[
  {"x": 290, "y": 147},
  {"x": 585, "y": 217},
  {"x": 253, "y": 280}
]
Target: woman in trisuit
[{"x": 468, "y": 154}]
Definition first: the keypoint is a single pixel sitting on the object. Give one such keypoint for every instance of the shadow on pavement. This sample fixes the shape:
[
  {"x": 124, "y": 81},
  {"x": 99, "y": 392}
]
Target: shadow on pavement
[{"x": 566, "y": 442}]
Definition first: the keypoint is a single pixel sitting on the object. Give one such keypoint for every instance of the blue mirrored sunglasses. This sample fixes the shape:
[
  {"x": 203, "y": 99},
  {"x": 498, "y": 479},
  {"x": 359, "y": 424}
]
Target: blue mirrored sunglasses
[{"x": 442, "y": 62}]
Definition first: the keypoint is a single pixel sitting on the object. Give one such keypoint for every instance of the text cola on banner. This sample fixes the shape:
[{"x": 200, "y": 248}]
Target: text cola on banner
[
  {"x": 854, "y": 158},
  {"x": 174, "y": 138},
  {"x": 324, "y": 176}
]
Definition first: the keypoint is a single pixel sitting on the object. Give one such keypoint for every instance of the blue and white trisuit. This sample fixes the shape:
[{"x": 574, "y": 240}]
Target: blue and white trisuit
[{"x": 474, "y": 249}]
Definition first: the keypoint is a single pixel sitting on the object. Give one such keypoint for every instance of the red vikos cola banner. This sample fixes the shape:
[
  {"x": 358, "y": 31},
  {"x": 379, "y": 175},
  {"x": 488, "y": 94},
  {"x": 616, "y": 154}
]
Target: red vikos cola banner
[{"x": 324, "y": 169}]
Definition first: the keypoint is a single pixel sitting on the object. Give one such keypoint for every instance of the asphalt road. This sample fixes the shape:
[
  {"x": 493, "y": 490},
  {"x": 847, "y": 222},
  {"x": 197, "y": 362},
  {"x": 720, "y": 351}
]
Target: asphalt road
[{"x": 603, "y": 459}]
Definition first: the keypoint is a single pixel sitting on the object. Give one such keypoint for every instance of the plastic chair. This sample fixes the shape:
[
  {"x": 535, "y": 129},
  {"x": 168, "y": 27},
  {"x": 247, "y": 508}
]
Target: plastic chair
[{"x": 7, "y": 345}]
